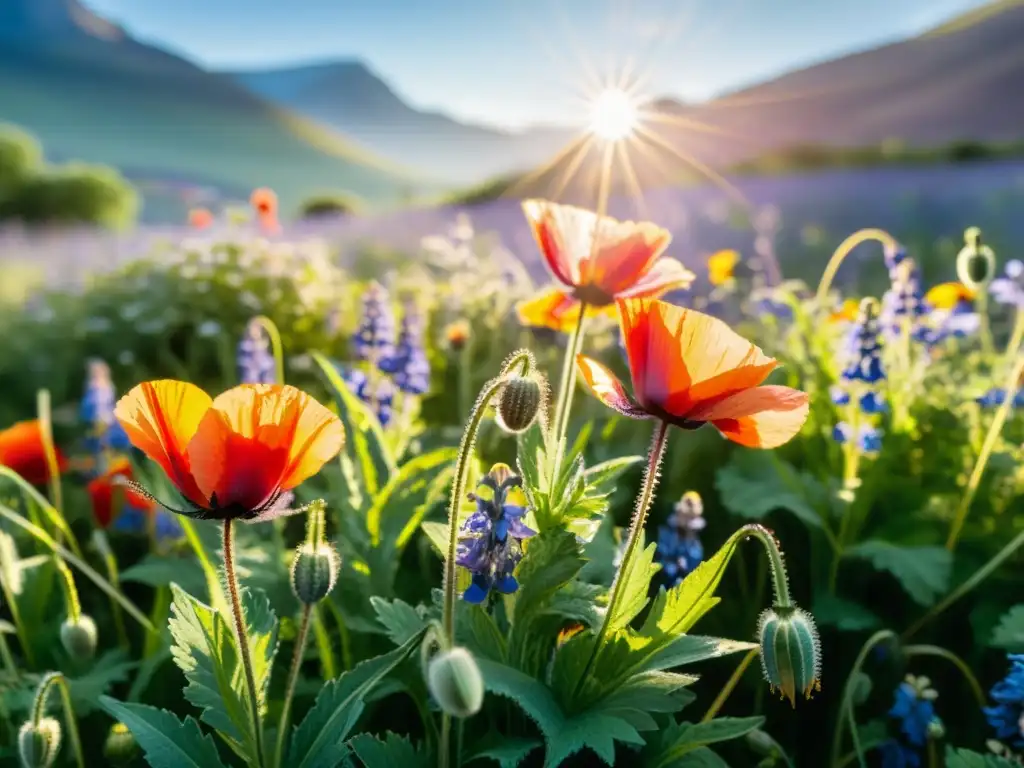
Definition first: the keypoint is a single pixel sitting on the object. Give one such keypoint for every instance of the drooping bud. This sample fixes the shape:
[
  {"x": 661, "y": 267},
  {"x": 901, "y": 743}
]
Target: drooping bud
[
  {"x": 120, "y": 747},
  {"x": 79, "y": 637},
  {"x": 455, "y": 682},
  {"x": 38, "y": 744},
  {"x": 314, "y": 571},
  {"x": 761, "y": 742},
  {"x": 519, "y": 403},
  {"x": 976, "y": 262},
  {"x": 790, "y": 651}
]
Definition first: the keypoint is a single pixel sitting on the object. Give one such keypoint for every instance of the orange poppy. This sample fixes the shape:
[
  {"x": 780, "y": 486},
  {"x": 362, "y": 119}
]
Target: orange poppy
[
  {"x": 721, "y": 266},
  {"x": 690, "y": 369},
  {"x": 103, "y": 489},
  {"x": 948, "y": 295},
  {"x": 598, "y": 259},
  {"x": 233, "y": 456},
  {"x": 556, "y": 310},
  {"x": 22, "y": 450},
  {"x": 200, "y": 218},
  {"x": 264, "y": 202}
]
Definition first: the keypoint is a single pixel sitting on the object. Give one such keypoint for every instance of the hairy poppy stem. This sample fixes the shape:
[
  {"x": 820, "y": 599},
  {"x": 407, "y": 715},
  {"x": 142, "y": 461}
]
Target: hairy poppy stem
[
  {"x": 293, "y": 679},
  {"x": 243, "y": 642},
  {"x": 39, "y": 710},
  {"x": 636, "y": 530}
]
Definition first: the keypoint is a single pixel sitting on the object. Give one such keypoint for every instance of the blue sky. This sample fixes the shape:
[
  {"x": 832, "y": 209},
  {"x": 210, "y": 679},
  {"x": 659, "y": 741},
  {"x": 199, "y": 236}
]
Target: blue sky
[{"x": 515, "y": 62}]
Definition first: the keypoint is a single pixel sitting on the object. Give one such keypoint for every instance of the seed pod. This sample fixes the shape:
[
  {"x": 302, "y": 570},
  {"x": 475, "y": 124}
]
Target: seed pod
[
  {"x": 120, "y": 747},
  {"x": 455, "y": 682},
  {"x": 976, "y": 262},
  {"x": 314, "y": 571},
  {"x": 519, "y": 403},
  {"x": 79, "y": 637},
  {"x": 761, "y": 743},
  {"x": 38, "y": 745},
  {"x": 790, "y": 651}
]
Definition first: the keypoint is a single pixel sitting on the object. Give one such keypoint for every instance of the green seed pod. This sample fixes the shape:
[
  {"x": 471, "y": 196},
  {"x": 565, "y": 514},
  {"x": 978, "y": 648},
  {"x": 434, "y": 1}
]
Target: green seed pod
[
  {"x": 314, "y": 572},
  {"x": 38, "y": 745},
  {"x": 120, "y": 747},
  {"x": 976, "y": 262},
  {"x": 455, "y": 682},
  {"x": 79, "y": 637},
  {"x": 761, "y": 743},
  {"x": 519, "y": 403},
  {"x": 790, "y": 651}
]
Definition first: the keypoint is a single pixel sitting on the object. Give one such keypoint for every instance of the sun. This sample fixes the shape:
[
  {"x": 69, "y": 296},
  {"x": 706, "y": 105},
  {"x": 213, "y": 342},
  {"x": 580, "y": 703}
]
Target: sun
[{"x": 613, "y": 115}]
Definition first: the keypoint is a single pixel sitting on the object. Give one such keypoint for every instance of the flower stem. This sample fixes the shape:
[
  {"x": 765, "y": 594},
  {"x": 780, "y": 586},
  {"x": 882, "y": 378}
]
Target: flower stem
[
  {"x": 985, "y": 329},
  {"x": 39, "y": 710},
  {"x": 567, "y": 389},
  {"x": 113, "y": 576},
  {"x": 270, "y": 327},
  {"x": 74, "y": 605},
  {"x": 293, "y": 679},
  {"x": 19, "y": 626},
  {"x": 243, "y": 642},
  {"x": 960, "y": 664},
  {"x": 983, "y": 456},
  {"x": 727, "y": 690},
  {"x": 1013, "y": 345},
  {"x": 49, "y": 449},
  {"x": 636, "y": 529},
  {"x": 844, "y": 250},
  {"x": 846, "y": 702}
]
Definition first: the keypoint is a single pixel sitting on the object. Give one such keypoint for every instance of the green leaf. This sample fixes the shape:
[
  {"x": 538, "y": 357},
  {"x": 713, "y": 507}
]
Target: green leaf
[
  {"x": 964, "y": 758},
  {"x": 563, "y": 735},
  {"x": 635, "y": 584},
  {"x": 393, "y": 751},
  {"x": 1010, "y": 632},
  {"x": 755, "y": 483},
  {"x": 601, "y": 477},
  {"x": 365, "y": 438},
  {"x": 166, "y": 741},
  {"x": 261, "y": 635},
  {"x": 400, "y": 504},
  {"x": 923, "y": 572},
  {"x": 702, "y": 757},
  {"x": 401, "y": 621},
  {"x": 506, "y": 751},
  {"x": 845, "y": 615},
  {"x": 438, "y": 535},
  {"x": 319, "y": 741},
  {"x": 158, "y": 571},
  {"x": 685, "y": 738},
  {"x": 205, "y": 650}
]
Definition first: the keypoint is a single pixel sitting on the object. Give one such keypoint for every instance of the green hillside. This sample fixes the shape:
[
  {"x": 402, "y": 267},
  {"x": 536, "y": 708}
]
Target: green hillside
[{"x": 154, "y": 115}]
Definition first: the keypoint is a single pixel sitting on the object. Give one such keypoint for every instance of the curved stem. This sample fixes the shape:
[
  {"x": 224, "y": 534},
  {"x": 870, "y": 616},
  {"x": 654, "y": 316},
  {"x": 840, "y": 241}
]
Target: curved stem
[
  {"x": 994, "y": 431},
  {"x": 243, "y": 642},
  {"x": 276, "y": 346},
  {"x": 113, "y": 576},
  {"x": 846, "y": 702},
  {"x": 960, "y": 664},
  {"x": 39, "y": 710},
  {"x": 32, "y": 495},
  {"x": 636, "y": 529},
  {"x": 74, "y": 605},
  {"x": 293, "y": 679},
  {"x": 80, "y": 564},
  {"x": 12, "y": 604},
  {"x": 985, "y": 329},
  {"x": 44, "y": 412},
  {"x": 1013, "y": 345},
  {"x": 567, "y": 388},
  {"x": 844, "y": 250},
  {"x": 727, "y": 689}
]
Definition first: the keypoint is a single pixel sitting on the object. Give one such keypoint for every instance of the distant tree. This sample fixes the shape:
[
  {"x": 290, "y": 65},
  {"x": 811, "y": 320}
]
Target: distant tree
[
  {"x": 968, "y": 151},
  {"x": 336, "y": 204},
  {"x": 20, "y": 157}
]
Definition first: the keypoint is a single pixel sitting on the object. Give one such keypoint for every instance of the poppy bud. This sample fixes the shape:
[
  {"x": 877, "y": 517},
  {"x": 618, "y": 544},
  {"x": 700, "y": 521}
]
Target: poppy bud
[
  {"x": 79, "y": 637},
  {"x": 790, "y": 651},
  {"x": 519, "y": 403},
  {"x": 314, "y": 571},
  {"x": 976, "y": 262},
  {"x": 39, "y": 743},
  {"x": 455, "y": 682},
  {"x": 761, "y": 743},
  {"x": 120, "y": 746}
]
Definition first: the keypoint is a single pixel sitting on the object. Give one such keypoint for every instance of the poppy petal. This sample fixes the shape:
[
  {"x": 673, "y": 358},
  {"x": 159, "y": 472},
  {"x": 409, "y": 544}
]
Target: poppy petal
[
  {"x": 666, "y": 275},
  {"x": 650, "y": 333},
  {"x": 22, "y": 450},
  {"x": 564, "y": 235},
  {"x": 624, "y": 253},
  {"x": 160, "y": 418},
  {"x": 552, "y": 309},
  {"x": 319, "y": 437},
  {"x": 762, "y": 417},
  {"x": 608, "y": 389}
]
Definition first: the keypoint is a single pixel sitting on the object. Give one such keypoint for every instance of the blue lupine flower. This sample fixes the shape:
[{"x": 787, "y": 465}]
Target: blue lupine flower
[
  {"x": 904, "y": 302},
  {"x": 865, "y": 350},
  {"x": 839, "y": 395},
  {"x": 1009, "y": 289},
  {"x": 97, "y": 410},
  {"x": 379, "y": 393},
  {"x": 409, "y": 364},
  {"x": 679, "y": 546},
  {"x": 897, "y": 755},
  {"x": 914, "y": 707},
  {"x": 872, "y": 402},
  {"x": 490, "y": 540},
  {"x": 375, "y": 337},
  {"x": 768, "y": 305},
  {"x": 996, "y": 396},
  {"x": 254, "y": 360},
  {"x": 870, "y": 440},
  {"x": 842, "y": 432},
  {"x": 894, "y": 256},
  {"x": 1007, "y": 716}
]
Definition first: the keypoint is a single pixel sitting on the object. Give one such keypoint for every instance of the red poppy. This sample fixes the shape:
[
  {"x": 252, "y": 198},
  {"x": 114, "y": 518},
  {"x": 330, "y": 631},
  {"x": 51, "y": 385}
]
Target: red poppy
[
  {"x": 264, "y": 202},
  {"x": 200, "y": 218},
  {"x": 598, "y": 259},
  {"x": 103, "y": 489},
  {"x": 22, "y": 450},
  {"x": 689, "y": 369},
  {"x": 236, "y": 455}
]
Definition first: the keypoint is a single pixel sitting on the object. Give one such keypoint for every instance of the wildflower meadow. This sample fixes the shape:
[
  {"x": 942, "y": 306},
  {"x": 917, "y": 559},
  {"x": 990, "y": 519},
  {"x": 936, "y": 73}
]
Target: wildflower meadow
[{"x": 259, "y": 508}]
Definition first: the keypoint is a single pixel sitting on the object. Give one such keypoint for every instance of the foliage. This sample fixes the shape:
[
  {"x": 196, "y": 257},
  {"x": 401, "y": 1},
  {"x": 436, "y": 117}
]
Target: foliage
[{"x": 337, "y": 204}]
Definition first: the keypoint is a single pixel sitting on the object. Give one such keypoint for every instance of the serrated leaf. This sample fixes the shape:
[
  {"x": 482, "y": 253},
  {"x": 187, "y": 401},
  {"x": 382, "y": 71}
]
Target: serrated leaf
[
  {"x": 506, "y": 751},
  {"x": 319, "y": 741},
  {"x": 964, "y": 758},
  {"x": 636, "y": 581},
  {"x": 682, "y": 739},
  {"x": 393, "y": 751},
  {"x": 923, "y": 572},
  {"x": 755, "y": 483},
  {"x": 166, "y": 741},
  {"x": 601, "y": 477},
  {"x": 365, "y": 443},
  {"x": 1009, "y": 634},
  {"x": 476, "y": 629},
  {"x": 261, "y": 635},
  {"x": 845, "y": 615},
  {"x": 400, "y": 620}
]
